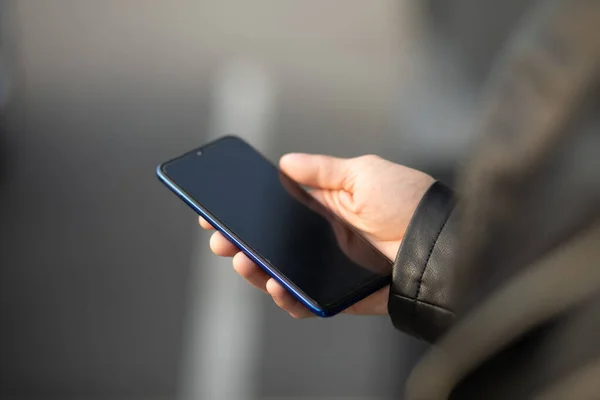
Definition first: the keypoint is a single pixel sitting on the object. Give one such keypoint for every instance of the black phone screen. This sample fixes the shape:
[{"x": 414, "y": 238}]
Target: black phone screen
[{"x": 278, "y": 220}]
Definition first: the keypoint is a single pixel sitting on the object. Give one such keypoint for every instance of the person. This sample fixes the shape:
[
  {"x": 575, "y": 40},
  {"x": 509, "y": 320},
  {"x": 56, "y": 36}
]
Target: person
[{"x": 505, "y": 281}]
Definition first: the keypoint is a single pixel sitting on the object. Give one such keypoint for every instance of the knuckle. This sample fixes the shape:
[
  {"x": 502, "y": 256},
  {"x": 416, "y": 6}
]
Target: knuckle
[{"x": 370, "y": 158}]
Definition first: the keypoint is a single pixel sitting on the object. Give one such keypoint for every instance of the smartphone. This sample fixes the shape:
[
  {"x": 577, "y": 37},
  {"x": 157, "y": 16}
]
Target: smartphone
[{"x": 317, "y": 257}]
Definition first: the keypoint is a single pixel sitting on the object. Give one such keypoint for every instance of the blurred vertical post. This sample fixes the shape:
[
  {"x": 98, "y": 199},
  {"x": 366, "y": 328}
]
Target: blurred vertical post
[{"x": 222, "y": 347}]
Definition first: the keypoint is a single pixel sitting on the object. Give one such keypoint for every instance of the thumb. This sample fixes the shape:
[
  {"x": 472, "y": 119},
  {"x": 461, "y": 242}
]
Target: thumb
[{"x": 316, "y": 171}]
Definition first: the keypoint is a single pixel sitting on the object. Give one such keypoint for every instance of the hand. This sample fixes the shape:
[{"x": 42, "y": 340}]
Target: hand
[{"x": 374, "y": 195}]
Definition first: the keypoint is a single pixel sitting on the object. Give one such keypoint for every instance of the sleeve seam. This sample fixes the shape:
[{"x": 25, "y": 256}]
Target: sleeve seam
[
  {"x": 425, "y": 303},
  {"x": 420, "y": 281}
]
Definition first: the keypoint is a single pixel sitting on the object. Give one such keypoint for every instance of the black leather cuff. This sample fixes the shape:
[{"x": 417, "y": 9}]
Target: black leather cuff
[{"x": 420, "y": 301}]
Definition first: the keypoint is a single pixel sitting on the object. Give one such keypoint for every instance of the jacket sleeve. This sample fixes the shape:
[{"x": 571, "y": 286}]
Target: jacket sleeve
[{"x": 421, "y": 299}]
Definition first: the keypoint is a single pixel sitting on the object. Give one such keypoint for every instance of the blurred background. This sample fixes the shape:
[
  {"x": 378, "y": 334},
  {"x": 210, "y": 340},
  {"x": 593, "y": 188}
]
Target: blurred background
[{"x": 107, "y": 287}]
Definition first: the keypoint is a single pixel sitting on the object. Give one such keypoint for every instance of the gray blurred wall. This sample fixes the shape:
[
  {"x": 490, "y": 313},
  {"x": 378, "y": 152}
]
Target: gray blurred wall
[{"x": 95, "y": 255}]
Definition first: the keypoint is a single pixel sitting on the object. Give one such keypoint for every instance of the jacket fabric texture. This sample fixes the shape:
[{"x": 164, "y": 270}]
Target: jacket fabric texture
[{"x": 504, "y": 276}]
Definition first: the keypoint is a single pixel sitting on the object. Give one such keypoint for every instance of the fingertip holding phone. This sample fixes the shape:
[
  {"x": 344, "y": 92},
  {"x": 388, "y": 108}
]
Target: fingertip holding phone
[{"x": 277, "y": 224}]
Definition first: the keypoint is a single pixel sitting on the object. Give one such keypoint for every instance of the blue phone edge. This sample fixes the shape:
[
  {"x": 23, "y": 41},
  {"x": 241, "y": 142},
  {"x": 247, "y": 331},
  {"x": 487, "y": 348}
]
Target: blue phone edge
[{"x": 299, "y": 295}]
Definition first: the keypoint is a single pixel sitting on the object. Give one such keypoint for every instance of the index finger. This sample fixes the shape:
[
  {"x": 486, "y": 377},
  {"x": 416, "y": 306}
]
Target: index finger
[{"x": 205, "y": 224}]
